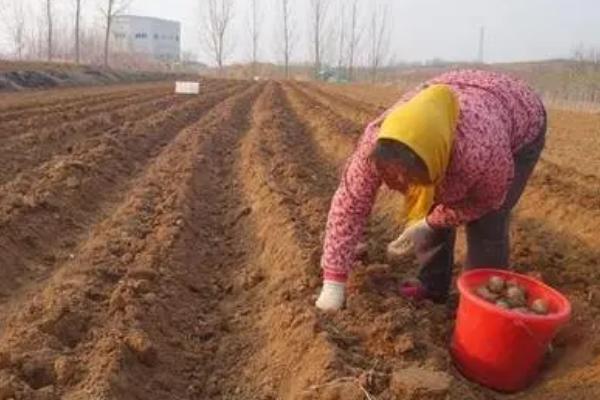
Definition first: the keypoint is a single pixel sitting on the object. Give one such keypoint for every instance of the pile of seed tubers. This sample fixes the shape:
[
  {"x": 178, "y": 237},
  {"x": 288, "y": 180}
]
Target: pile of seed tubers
[{"x": 509, "y": 295}]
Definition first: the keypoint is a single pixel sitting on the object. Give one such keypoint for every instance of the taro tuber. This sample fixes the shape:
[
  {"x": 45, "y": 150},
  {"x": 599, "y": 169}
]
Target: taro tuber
[
  {"x": 510, "y": 295},
  {"x": 496, "y": 284},
  {"x": 486, "y": 294},
  {"x": 503, "y": 304},
  {"x": 516, "y": 297},
  {"x": 540, "y": 306}
]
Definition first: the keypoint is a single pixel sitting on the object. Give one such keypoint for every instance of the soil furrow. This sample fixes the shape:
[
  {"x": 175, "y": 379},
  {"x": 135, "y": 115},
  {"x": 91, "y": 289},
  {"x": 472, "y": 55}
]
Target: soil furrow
[
  {"x": 283, "y": 274},
  {"x": 298, "y": 170},
  {"x": 13, "y": 105},
  {"x": 354, "y": 109},
  {"x": 289, "y": 186},
  {"x": 292, "y": 186},
  {"x": 216, "y": 272},
  {"x": 94, "y": 105},
  {"x": 31, "y": 149},
  {"x": 343, "y": 133},
  {"x": 44, "y": 213},
  {"x": 69, "y": 107},
  {"x": 16, "y": 127},
  {"x": 26, "y": 110},
  {"x": 372, "y": 95},
  {"x": 134, "y": 314},
  {"x": 155, "y": 247}
]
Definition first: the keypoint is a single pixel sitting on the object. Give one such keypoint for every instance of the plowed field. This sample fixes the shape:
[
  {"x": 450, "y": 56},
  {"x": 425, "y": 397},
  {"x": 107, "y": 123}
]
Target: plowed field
[{"x": 155, "y": 246}]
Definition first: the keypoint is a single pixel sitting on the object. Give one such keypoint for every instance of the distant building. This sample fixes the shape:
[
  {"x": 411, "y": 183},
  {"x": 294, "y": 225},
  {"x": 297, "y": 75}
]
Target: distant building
[{"x": 154, "y": 37}]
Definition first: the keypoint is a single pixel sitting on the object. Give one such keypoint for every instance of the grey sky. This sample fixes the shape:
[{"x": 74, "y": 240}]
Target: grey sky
[
  {"x": 423, "y": 29},
  {"x": 516, "y": 30}
]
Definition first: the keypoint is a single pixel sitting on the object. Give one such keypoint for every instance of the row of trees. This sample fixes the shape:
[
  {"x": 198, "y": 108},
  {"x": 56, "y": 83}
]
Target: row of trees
[
  {"x": 339, "y": 30},
  {"x": 342, "y": 33},
  {"x": 586, "y": 56},
  {"x": 40, "y": 38}
]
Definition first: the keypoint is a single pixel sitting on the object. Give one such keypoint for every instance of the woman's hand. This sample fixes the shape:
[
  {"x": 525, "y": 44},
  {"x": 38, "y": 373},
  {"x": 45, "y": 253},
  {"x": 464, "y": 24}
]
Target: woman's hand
[
  {"x": 332, "y": 296},
  {"x": 415, "y": 236}
]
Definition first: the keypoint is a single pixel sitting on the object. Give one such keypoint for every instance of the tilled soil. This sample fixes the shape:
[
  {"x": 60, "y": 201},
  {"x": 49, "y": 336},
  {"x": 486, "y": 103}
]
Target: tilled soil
[{"x": 154, "y": 246}]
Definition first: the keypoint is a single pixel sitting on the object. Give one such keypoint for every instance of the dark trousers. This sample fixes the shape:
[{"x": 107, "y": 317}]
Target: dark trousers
[{"x": 488, "y": 242}]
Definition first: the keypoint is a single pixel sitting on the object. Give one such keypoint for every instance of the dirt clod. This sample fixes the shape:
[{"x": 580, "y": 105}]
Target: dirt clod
[
  {"x": 7, "y": 386},
  {"x": 343, "y": 390},
  {"x": 72, "y": 182},
  {"x": 142, "y": 347},
  {"x": 64, "y": 370},
  {"x": 5, "y": 359},
  {"x": 404, "y": 344},
  {"x": 417, "y": 383},
  {"x": 37, "y": 374},
  {"x": 142, "y": 273},
  {"x": 117, "y": 300},
  {"x": 141, "y": 286}
]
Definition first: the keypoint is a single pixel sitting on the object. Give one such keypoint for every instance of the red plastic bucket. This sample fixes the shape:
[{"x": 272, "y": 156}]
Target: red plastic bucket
[{"x": 498, "y": 348}]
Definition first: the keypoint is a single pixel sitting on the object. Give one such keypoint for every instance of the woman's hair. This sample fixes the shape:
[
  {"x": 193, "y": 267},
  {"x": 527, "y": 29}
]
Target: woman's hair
[{"x": 389, "y": 150}]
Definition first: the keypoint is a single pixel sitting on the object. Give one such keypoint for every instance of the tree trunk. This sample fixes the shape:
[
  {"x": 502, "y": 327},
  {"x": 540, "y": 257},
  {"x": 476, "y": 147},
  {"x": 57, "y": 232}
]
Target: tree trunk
[
  {"x": 317, "y": 39},
  {"x": 49, "y": 17},
  {"x": 108, "y": 26},
  {"x": 286, "y": 39},
  {"x": 341, "y": 42},
  {"x": 218, "y": 18},
  {"x": 254, "y": 39},
  {"x": 352, "y": 43},
  {"x": 77, "y": 19},
  {"x": 220, "y": 52}
]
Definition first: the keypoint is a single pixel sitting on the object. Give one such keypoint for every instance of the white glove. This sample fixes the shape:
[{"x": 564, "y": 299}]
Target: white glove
[
  {"x": 417, "y": 235},
  {"x": 332, "y": 296}
]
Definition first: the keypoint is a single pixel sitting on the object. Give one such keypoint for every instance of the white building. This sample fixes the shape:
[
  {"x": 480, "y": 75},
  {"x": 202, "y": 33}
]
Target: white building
[{"x": 153, "y": 37}]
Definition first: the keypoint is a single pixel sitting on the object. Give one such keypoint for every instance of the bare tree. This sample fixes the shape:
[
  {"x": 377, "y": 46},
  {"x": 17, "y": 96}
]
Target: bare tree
[
  {"x": 218, "y": 21},
  {"x": 318, "y": 10},
  {"x": 39, "y": 37},
  {"x": 379, "y": 38},
  {"x": 92, "y": 43},
  {"x": 114, "y": 8},
  {"x": 18, "y": 30},
  {"x": 14, "y": 19},
  {"x": 356, "y": 33},
  {"x": 49, "y": 26},
  {"x": 594, "y": 57},
  {"x": 342, "y": 37},
  {"x": 288, "y": 34},
  {"x": 255, "y": 21},
  {"x": 77, "y": 30},
  {"x": 579, "y": 52}
]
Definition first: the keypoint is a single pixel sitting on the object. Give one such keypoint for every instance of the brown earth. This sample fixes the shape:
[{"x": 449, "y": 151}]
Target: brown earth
[{"x": 154, "y": 246}]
